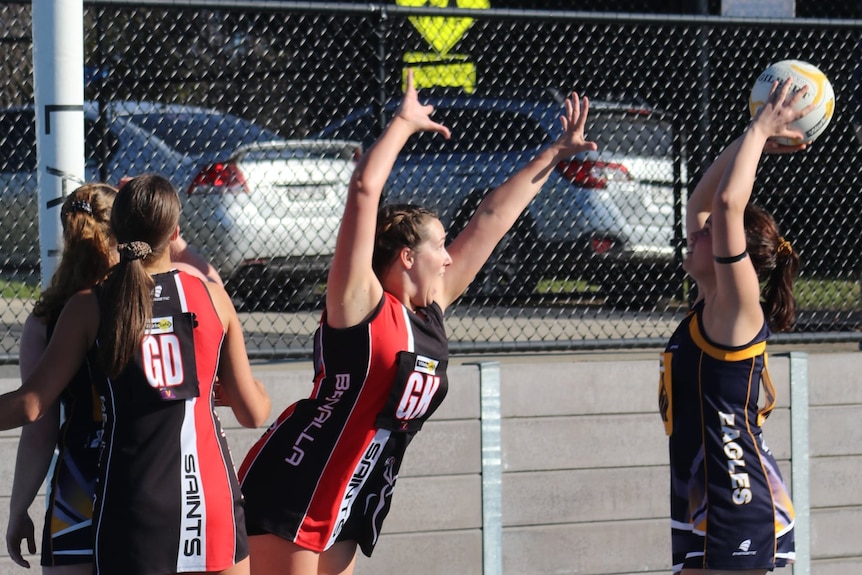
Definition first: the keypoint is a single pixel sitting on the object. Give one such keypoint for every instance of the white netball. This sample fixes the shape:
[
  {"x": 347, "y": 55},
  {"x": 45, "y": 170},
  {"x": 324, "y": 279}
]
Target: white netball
[{"x": 819, "y": 92}]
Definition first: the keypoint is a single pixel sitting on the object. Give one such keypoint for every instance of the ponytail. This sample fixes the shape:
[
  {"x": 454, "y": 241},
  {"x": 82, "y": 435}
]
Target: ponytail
[
  {"x": 87, "y": 248},
  {"x": 778, "y": 300},
  {"x": 146, "y": 213},
  {"x": 125, "y": 308},
  {"x": 777, "y": 265}
]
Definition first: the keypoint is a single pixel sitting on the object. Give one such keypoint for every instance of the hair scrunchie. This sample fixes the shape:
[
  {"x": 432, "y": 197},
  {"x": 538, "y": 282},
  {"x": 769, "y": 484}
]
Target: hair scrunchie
[
  {"x": 784, "y": 248},
  {"x": 134, "y": 251}
]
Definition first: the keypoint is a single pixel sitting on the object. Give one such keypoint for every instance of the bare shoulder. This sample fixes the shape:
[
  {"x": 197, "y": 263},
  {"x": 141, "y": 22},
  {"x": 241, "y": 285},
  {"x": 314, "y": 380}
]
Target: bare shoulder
[
  {"x": 79, "y": 319},
  {"x": 82, "y": 303},
  {"x": 34, "y": 327},
  {"x": 34, "y": 340},
  {"x": 189, "y": 269},
  {"x": 221, "y": 301}
]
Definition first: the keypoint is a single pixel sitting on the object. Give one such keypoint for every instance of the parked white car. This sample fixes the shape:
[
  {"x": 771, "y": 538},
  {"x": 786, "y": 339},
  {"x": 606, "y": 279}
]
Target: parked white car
[
  {"x": 173, "y": 140},
  {"x": 268, "y": 216},
  {"x": 255, "y": 204}
]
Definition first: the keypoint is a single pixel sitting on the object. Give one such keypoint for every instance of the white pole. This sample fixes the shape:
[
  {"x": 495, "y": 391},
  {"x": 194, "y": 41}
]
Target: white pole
[{"x": 58, "y": 69}]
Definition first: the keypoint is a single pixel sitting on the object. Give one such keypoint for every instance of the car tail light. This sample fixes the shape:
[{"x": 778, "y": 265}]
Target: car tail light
[
  {"x": 602, "y": 244},
  {"x": 220, "y": 178},
  {"x": 592, "y": 174}
]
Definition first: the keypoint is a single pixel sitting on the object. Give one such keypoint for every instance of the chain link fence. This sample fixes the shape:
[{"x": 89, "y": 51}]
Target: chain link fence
[{"x": 255, "y": 113}]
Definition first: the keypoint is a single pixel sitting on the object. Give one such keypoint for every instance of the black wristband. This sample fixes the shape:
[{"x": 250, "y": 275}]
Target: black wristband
[{"x": 730, "y": 259}]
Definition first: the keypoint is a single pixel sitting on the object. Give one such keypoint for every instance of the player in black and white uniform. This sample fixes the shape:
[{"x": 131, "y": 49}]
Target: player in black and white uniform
[
  {"x": 167, "y": 497},
  {"x": 730, "y": 509},
  {"x": 320, "y": 481}
]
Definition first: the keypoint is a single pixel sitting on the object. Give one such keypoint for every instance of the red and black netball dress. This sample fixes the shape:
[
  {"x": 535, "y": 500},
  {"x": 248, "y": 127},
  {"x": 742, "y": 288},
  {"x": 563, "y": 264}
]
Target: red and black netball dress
[
  {"x": 67, "y": 538},
  {"x": 326, "y": 469},
  {"x": 730, "y": 509},
  {"x": 168, "y": 499}
]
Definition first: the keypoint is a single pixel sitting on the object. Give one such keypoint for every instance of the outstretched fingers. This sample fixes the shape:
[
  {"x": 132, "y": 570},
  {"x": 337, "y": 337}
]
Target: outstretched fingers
[
  {"x": 780, "y": 111},
  {"x": 574, "y": 122},
  {"x": 416, "y": 113},
  {"x": 790, "y": 100}
]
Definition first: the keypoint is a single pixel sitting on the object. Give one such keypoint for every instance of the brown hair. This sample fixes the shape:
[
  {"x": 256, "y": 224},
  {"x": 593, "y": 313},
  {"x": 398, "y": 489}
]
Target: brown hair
[
  {"x": 776, "y": 264},
  {"x": 398, "y": 226},
  {"x": 145, "y": 215},
  {"x": 87, "y": 245}
]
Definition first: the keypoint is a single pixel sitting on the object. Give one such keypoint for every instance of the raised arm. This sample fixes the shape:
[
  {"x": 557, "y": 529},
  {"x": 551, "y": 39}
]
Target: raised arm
[
  {"x": 352, "y": 289},
  {"x": 699, "y": 204},
  {"x": 499, "y": 210},
  {"x": 736, "y": 312}
]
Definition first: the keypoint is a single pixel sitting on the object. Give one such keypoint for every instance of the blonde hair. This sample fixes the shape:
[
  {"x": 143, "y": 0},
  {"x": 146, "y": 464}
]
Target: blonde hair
[{"x": 87, "y": 248}]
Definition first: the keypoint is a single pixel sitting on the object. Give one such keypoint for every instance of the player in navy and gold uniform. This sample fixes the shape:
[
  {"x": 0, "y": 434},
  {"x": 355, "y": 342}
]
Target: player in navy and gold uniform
[
  {"x": 67, "y": 535},
  {"x": 155, "y": 340},
  {"x": 730, "y": 509},
  {"x": 729, "y": 505},
  {"x": 319, "y": 482}
]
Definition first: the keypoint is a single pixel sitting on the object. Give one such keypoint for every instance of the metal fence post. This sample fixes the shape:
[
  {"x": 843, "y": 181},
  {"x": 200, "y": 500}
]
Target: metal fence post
[
  {"x": 492, "y": 465},
  {"x": 799, "y": 460},
  {"x": 381, "y": 30}
]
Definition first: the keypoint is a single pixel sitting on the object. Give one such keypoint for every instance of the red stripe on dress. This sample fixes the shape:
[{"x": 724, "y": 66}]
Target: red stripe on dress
[
  {"x": 215, "y": 464},
  {"x": 389, "y": 330}
]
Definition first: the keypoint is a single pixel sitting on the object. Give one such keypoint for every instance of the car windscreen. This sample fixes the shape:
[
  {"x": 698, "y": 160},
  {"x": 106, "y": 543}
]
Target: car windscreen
[
  {"x": 630, "y": 133},
  {"x": 18, "y": 141},
  {"x": 201, "y": 133}
]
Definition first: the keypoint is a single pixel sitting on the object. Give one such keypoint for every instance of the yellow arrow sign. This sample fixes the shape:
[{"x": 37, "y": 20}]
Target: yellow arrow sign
[{"x": 442, "y": 33}]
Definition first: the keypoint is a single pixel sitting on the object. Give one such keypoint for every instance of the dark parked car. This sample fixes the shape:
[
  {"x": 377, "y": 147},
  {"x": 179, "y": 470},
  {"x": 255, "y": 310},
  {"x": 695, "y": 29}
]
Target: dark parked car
[{"x": 605, "y": 217}]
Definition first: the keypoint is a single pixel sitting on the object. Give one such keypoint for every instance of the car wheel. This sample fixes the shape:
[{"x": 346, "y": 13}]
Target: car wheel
[{"x": 507, "y": 273}]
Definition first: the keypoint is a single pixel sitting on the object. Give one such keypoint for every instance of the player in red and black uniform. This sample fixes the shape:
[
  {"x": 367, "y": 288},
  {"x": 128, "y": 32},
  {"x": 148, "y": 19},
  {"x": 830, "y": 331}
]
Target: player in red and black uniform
[
  {"x": 165, "y": 455},
  {"x": 320, "y": 480},
  {"x": 167, "y": 499},
  {"x": 730, "y": 509},
  {"x": 345, "y": 443}
]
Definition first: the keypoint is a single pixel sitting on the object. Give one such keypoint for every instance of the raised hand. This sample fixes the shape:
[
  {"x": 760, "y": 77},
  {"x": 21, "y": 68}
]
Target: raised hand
[
  {"x": 573, "y": 122},
  {"x": 417, "y": 115},
  {"x": 779, "y": 111}
]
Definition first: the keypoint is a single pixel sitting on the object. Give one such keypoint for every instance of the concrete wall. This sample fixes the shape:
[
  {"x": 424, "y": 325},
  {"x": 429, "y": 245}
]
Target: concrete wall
[{"x": 584, "y": 467}]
